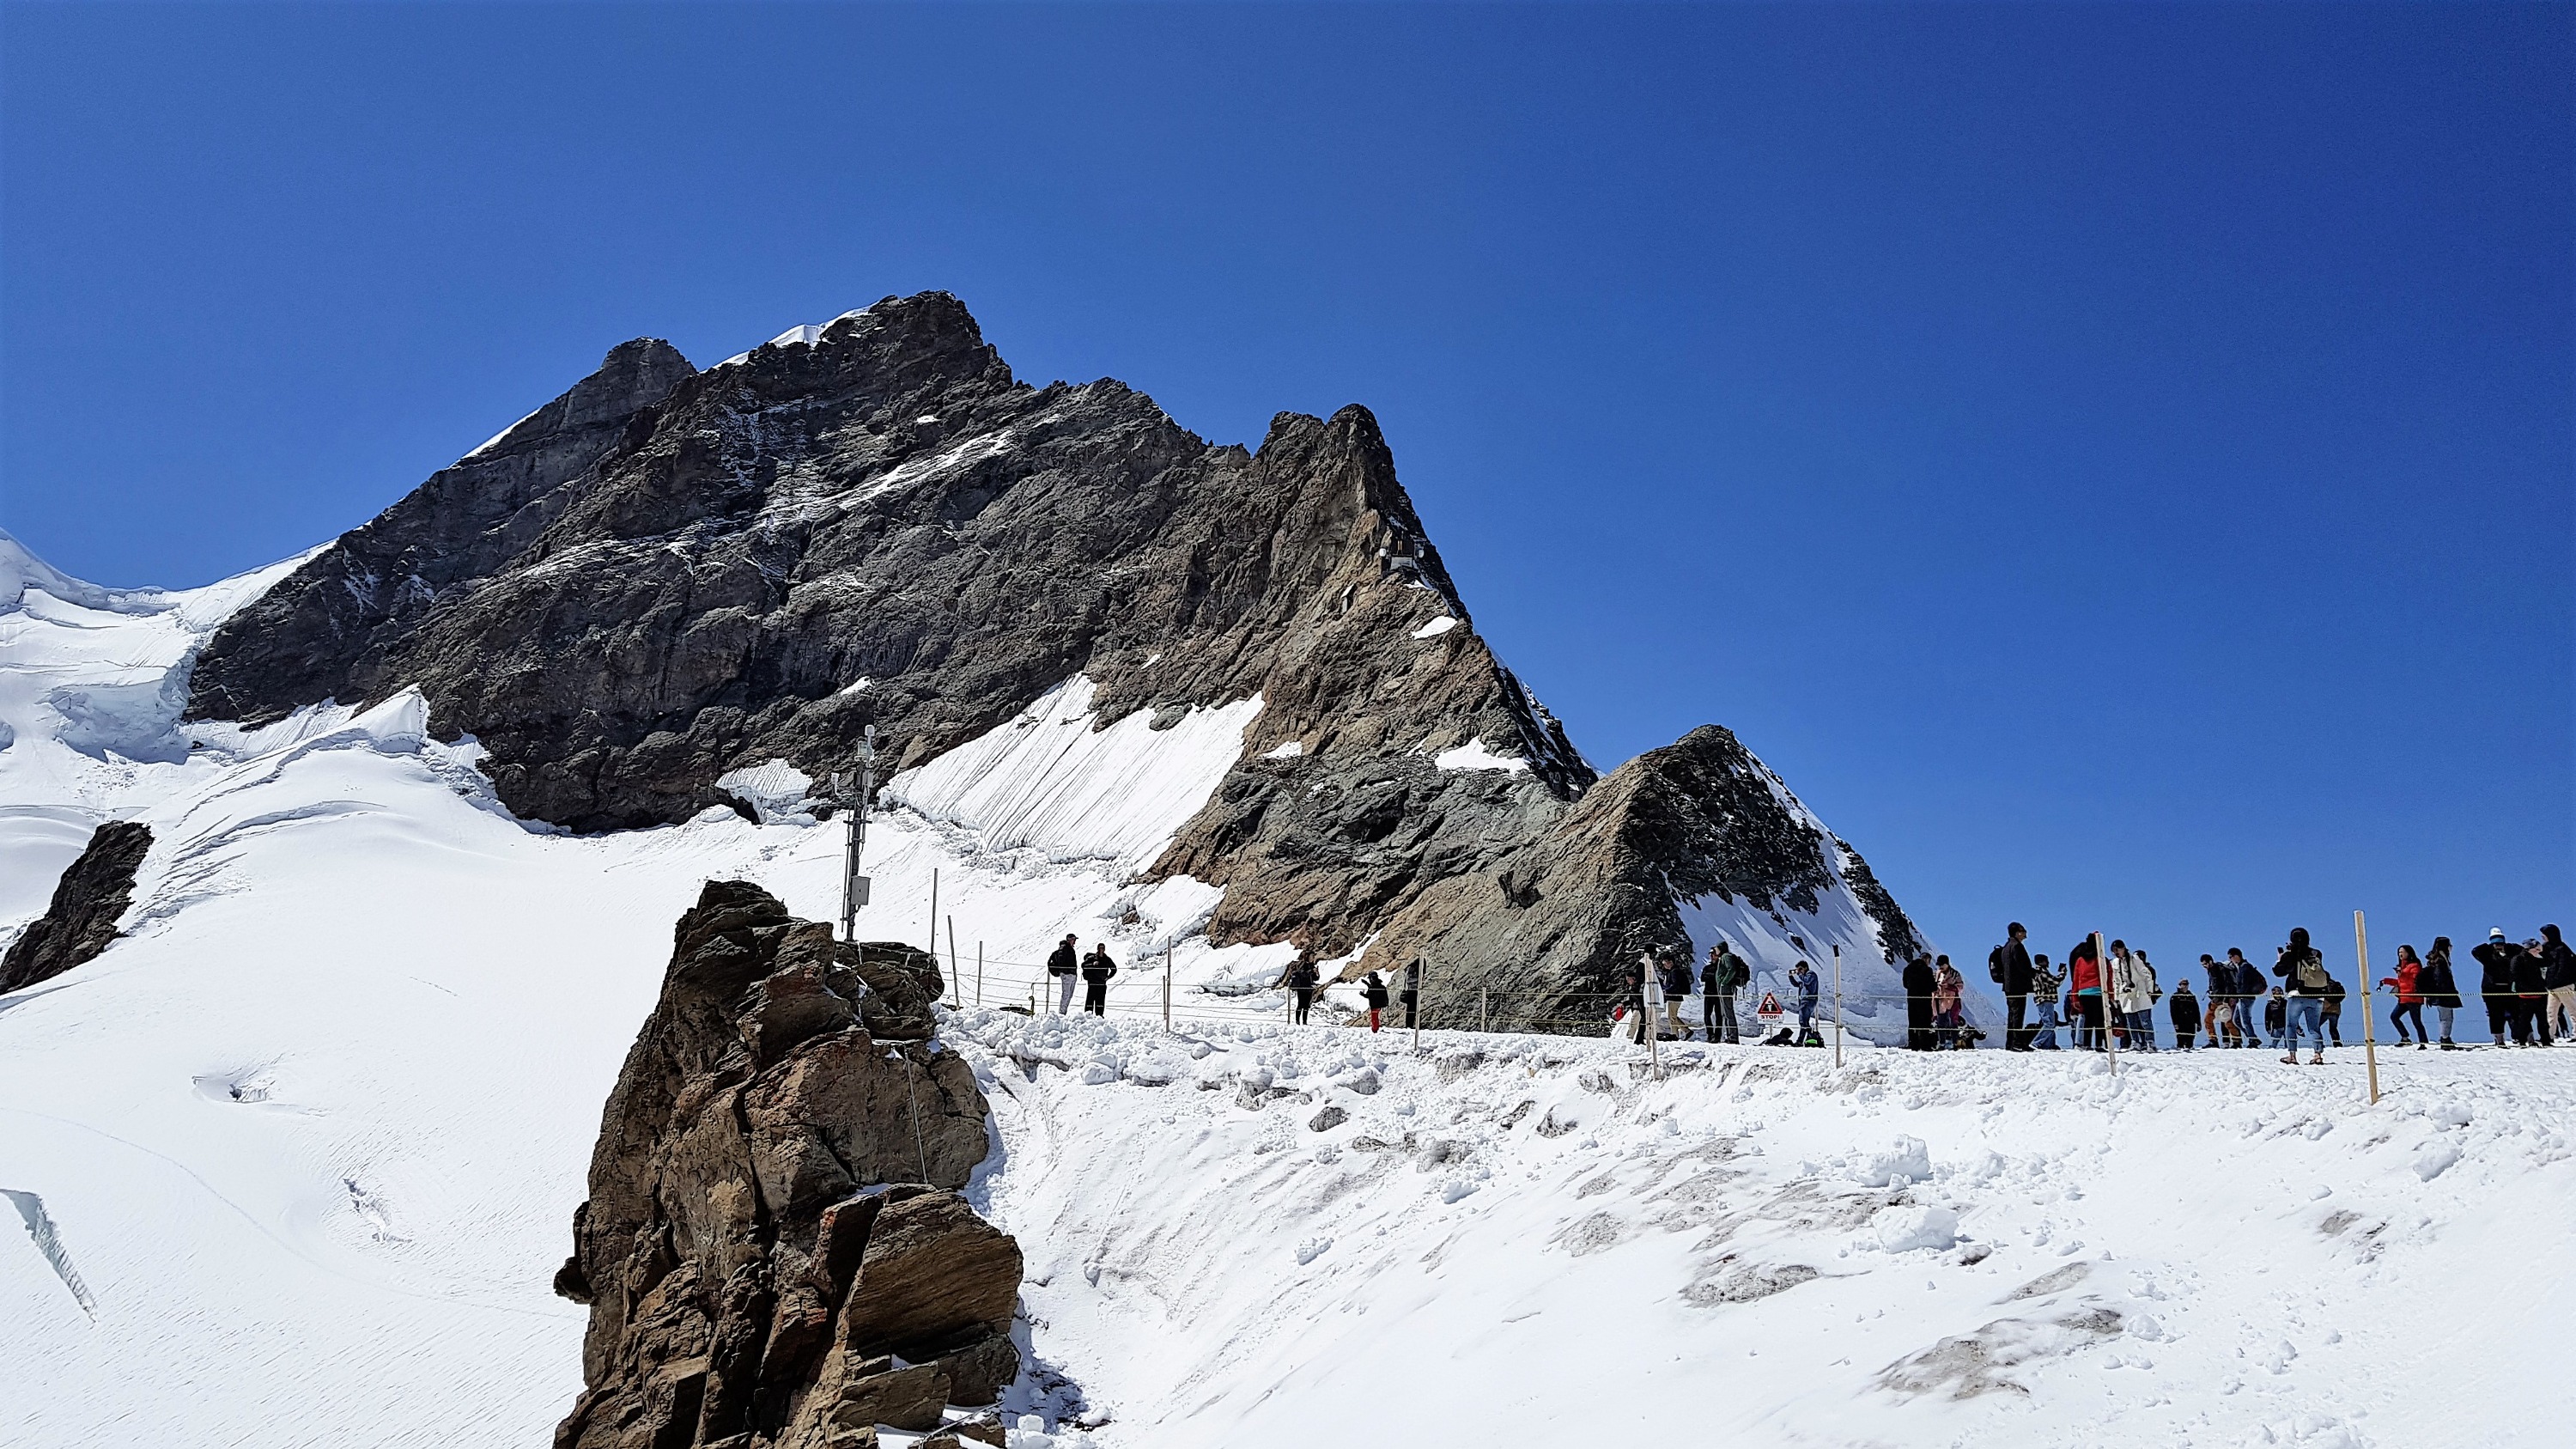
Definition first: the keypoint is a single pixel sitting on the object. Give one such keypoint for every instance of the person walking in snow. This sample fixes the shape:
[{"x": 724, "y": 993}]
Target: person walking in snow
[
  {"x": 2334, "y": 1009},
  {"x": 1097, "y": 968},
  {"x": 2043, "y": 1000},
  {"x": 1373, "y": 989},
  {"x": 2495, "y": 985},
  {"x": 2253, "y": 1011},
  {"x": 1066, "y": 972},
  {"x": 2303, "y": 978},
  {"x": 2276, "y": 1020},
  {"x": 2408, "y": 983},
  {"x": 2134, "y": 993},
  {"x": 2558, "y": 977},
  {"x": 2441, "y": 991},
  {"x": 1719, "y": 980},
  {"x": 1301, "y": 979},
  {"x": 1802, "y": 979},
  {"x": 1919, "y": 981},
  {"x": 2011, "y": 969},
  {"x": 1949, "y": 1011},
  {"x": 2186, "y": 1015},
  {"x": 2084, "y": 992}
]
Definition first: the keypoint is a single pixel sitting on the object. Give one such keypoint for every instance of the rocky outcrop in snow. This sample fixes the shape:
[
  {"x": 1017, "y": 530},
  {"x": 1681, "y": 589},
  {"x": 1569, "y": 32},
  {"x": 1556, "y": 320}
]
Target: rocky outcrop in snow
[
  {"x": 87, "y": 903},
  {"x": 774, "y": 1252}
]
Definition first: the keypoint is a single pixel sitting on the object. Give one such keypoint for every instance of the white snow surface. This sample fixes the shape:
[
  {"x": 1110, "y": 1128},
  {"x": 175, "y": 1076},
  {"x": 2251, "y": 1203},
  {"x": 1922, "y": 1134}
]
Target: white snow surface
[
  {"x": 1474, "y": 756},
  {"x": 1436, "y": 627},
  {"x": 295, "y": 1159}
]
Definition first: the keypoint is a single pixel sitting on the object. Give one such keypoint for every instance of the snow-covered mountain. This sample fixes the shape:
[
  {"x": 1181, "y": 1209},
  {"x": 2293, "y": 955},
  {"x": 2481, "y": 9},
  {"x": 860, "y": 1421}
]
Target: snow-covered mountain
[
  {"x": 297, "y": 1155},
  {"x": 666, "y": 578}
]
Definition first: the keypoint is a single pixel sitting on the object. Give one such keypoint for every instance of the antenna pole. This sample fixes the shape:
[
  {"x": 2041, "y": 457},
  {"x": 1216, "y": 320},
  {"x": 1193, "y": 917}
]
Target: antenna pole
[{"x": 854, "y": 886}]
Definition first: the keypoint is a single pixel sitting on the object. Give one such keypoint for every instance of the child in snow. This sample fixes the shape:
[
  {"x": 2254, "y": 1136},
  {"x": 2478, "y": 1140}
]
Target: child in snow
[{"x": 2043, "y": 999}]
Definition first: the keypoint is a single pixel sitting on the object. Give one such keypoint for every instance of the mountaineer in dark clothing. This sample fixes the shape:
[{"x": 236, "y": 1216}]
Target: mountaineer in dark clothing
[
  {"x": 1301, "y": 978},
  {"x": 2531, "y": 995},
  {"x": 1919, "y": 982},
  {"x": 2186, "y": 1014},
  {"x": 1373, "y": 990},
  {"x": 2495, "y": 985},
  {"x": 2441, "y": 991},
  {"x": 1719, "y": 980},
  {"x": 2010, "y": 968},
  {"x": 1097, "y": 968},
  {"x": 1065, "y": 972},
  {"x": 2558, "y": 975}
]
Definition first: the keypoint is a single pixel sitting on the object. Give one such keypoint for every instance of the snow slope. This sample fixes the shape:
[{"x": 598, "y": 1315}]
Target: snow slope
[
  {"x": 1252, "y": 1237},
  {"x": 295, "y": 1159}
]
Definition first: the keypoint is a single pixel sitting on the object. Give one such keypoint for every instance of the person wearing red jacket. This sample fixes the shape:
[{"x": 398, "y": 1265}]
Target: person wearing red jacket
[
  {"x": 2410, "y": 997},
  {"x": 2084, "y": 988}
]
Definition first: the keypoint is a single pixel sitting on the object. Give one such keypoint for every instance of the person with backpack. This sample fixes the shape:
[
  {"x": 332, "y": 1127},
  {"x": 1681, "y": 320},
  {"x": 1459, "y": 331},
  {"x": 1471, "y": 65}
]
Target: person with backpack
[
  {"x": 2253, "y": 1015},
  {"x": 1301, "y": 978},
  {"x": 2408, "y": 983},
  {"x": 1097, "y": 968},
  {"x": 1066, "y": 973},
  {"x": 1719, "y": 980},
  {"x": 2558, "y": 977},
  {"x": 2008, "y": 965},
  {"x": 2441, "y": 992},
  {"x": 1918, "y": 980},
  {"x": 2084, "y": 995},
  {"x": 1802, "y": 979},
  {"x": 2043, "y": 1000},
  {"x": 2495, "y": 986},
  {"x": 2303, "y": 978},
  {"x": 2334, "y": 1009},
  {"x": 2186, "y": 1015},
  {"x": 1373, "y": 990}
]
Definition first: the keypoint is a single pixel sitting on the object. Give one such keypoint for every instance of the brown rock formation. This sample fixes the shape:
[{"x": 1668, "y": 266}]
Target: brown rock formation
[{"x": 774, "y": 1253}]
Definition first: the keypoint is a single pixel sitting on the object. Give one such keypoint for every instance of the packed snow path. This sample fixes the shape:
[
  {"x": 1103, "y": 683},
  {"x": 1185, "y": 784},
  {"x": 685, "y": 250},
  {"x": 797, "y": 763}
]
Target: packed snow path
[{"x": 1287, "y": 1237}]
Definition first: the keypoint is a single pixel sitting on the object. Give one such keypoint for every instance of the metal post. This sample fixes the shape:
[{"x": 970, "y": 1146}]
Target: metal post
[
  {"x": 979, "y": 975},
  {"x": 2102, "y": 976},
  {"x": 2369, "y": 1038},
  {"x": 1650, "y": 995},
  {"x": 954, "y": 984},
  {"x": 1838, "y": 1005},
  {"x": 1484, "y": 1000},
  {"x": 1167, "y": 984},
  {"x": 854, "y": 886},
  {"x": 934, "y": 915},
  {"x": 1421, "y": 994}
]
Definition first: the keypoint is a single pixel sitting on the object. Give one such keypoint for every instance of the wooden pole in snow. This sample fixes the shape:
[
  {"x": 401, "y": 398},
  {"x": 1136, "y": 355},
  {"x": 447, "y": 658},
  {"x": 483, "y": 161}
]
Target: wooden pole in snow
[
  {"x": 2369, "y": 1038},
  {"x": 1838, "y": 1005}
]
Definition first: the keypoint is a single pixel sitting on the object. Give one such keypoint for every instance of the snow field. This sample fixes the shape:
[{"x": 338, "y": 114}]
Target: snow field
[{"x": 1252, "y": 1236}]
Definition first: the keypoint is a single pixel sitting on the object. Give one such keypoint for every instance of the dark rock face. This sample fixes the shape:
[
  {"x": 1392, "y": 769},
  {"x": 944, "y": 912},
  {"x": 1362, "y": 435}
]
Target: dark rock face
[
  {"x": 773, "y": 1251},
  {"x": 81, "y": 919},
  {"x": 667, "y": 574}
]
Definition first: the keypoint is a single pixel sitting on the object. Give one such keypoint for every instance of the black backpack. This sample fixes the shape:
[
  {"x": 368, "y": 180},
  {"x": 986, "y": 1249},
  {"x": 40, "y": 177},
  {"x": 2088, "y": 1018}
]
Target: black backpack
[{"x": 1995, "y": 965}]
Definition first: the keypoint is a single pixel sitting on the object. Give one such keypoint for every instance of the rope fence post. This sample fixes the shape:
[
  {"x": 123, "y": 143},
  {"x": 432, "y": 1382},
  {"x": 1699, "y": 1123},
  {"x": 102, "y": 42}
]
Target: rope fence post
[
  {"x": 934, "y": 913},
  {"x": 2369, "y": 1037},
  {"x": 979, "y": 975},
  {"x": 2102, "y": 978},
  {"x": 1167, "y": 983},
  {"x": 1838, "y": 1005}
]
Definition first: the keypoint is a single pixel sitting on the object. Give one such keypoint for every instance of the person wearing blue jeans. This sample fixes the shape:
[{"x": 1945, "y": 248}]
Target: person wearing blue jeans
[{"x": 2303, "y": 976}]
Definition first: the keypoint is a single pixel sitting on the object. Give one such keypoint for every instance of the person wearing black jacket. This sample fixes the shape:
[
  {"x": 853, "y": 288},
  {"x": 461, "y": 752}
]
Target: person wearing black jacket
[
  {"x": 1301, "y": 978},
  {"x": 2558, "y": 976},
  {"x": 2495, "y": 986},
  {"x": 1373, "y": 989},
  {"x": 2531, "y": 995},
  {"x": 1097, "y": 968},
  {"x": 2251, "y": 1009},
  {"x": 2015, "y": 980},
  {"x": 2186, "y": 1013},
  {"x": 2302, "y": 969},
  {"x": 2439, "y": 990},
  {"x": 1066, "y": 973},
  {"x": 1919, "y": 982},
  {"x": 1411, "y": 995}
]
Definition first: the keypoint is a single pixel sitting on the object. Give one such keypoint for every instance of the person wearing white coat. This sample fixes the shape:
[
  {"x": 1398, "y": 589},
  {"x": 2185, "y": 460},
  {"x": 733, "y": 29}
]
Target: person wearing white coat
[{"x": 2133, "y": 990}]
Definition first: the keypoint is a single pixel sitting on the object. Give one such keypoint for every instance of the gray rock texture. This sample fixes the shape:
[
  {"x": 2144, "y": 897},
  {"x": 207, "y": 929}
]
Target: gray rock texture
[
  {"x": 81, "y": 919},
  {"x": 666, "y": 574},
  {"x": 773, "y": 1250}
]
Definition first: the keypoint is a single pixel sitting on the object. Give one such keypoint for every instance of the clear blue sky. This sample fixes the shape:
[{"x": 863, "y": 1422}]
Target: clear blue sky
[{"x": 2116, "y": 462}]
